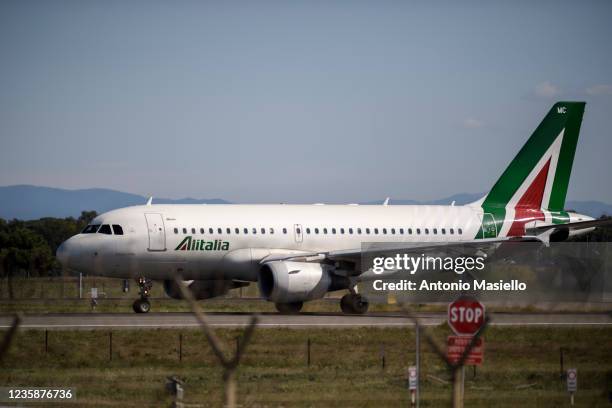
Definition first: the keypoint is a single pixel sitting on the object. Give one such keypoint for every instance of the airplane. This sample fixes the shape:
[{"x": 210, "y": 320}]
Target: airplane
[{"x": 298, "y": 253}]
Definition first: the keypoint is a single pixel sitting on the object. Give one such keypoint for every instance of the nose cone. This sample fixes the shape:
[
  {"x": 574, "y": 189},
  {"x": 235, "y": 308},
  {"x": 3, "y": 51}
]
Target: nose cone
[
  {"x": 66, "y": 252},
  {"x": 62, "y": 254}
]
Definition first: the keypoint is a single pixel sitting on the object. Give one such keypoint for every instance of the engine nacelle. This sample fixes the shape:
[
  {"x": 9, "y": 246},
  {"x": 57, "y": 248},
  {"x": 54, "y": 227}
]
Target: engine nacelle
[
  {"x": 288, "y": 281},
  {"x": 202, "y": 289}
]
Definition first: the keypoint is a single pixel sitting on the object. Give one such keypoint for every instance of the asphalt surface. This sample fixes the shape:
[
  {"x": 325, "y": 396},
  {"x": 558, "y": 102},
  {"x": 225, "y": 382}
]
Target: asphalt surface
[{"x": 89, "y": 321}]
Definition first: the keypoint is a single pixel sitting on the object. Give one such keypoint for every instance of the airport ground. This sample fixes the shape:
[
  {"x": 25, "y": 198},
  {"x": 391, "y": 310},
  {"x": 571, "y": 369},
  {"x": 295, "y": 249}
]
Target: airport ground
[{"x": 521, "y": 367}]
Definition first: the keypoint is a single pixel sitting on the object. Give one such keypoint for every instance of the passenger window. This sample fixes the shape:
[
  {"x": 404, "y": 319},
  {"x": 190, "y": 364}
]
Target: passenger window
[
  {"x": 254, "y": 230},
  {"x": 459, "y": 231},
  {"x": 298, "y": 231},
  {"x": 245, "y": 230},
  {"x": 193, "y": 230},
  {"x": 435, "y": 231},
  {"x": 308, "y": 230},
  {"x": 176, "y": 230},
  {"x": 284, "y": 230},
  {"x": 367, "y": 230},
  {"x": 228, "y": 230},
  {"x": 418, "y": 231},
  {"x": 263, "y": 230},
  {"x": 359, "y": 231},
  {"x": 105, "y": 229},
  {"x": 325, "y": 231},
  {"x": 376, "y": 231},
  {"x": 350, "y": 230},
  {"x": 210, "y": 230},
  {"x": 443, "y": 231},
  {"x": 202, "y": 231},
  {"x": 237, "y": 230},
  {"x": 401, "y": 231},
  {"x": 409, "y": 231},
  {"x": 184, "y": 230},
  {"x": 117, "y": 230},
  {"x": 333, "y": 230},
  {"x": 384, "y": 231},
  {"x": 393, "y": 231},
  {"x": 342, "y": 230},
  {"x": 452, "y": 231},
  {"x": 426, "y": 230},
  {"x": 316, "y": 230},
  {"x": 271, "y": 230},
  {"x": 219, "y": 231}
]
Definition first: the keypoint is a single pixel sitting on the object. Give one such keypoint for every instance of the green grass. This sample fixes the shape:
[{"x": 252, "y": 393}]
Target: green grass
[
  {"x": 345, "y": 367},
  {"x": 60, "y": 295}
]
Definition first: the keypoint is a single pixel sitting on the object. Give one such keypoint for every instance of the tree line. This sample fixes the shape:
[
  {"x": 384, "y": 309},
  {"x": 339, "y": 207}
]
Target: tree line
[{"x": 27, "y": 248}]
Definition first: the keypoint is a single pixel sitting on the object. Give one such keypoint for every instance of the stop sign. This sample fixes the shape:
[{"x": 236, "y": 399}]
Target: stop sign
[{"x": 466, "y": 316}]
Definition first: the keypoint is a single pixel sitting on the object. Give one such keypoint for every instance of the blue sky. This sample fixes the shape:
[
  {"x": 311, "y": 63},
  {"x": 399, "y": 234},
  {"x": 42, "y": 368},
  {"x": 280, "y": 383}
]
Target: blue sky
[{"x": 307, "y": 101}]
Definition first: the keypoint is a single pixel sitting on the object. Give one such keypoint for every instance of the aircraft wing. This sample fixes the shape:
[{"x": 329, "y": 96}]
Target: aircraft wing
[{"x": 355, "y": 255}]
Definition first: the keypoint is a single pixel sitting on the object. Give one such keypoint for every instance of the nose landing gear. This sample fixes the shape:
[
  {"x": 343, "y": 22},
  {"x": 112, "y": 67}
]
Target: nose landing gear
[{"x": 143, "y": 305}]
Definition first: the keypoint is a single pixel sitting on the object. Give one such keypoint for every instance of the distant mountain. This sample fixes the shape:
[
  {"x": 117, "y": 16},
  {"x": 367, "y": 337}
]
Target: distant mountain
[
  {"x": 31, "y": 202},
  {"x": 459, "y": 199},
  {"x": 593, "y": 208}
]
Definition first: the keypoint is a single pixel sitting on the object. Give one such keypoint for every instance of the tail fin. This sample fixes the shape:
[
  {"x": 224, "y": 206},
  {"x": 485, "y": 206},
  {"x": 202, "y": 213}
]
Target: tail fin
[{"x": 539, "y": 174}]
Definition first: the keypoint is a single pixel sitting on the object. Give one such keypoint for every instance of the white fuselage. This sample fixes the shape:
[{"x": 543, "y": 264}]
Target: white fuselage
[{"x": 228, "y": 241}]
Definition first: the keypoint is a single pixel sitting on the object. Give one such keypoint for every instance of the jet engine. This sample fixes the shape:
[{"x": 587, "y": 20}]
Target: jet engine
[
  {"x": 290, "y": 282},
  {"x": 203, "y": 289}
]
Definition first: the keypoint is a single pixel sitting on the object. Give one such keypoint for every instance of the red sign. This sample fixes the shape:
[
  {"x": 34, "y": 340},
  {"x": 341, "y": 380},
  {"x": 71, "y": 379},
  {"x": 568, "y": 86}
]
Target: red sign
[
  {"x": 466, "y": 316},
  {"x": 458, "y": 344}
]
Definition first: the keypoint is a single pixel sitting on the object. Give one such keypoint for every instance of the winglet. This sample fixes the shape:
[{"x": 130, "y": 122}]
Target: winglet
[
  {"x": 386, "y": 201},
  {"x": 149, "y": 201}
]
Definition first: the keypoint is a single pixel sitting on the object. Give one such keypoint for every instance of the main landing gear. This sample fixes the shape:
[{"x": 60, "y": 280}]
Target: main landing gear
[
  {"x": 143, "y": 305},
  {"x": 354, "y": 303},
  {"x": 289, "y": 308}
]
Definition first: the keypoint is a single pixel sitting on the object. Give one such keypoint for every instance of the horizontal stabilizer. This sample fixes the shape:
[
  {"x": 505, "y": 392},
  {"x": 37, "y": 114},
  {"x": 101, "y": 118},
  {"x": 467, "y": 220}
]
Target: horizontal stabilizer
[{"x": 571, "y": 226}]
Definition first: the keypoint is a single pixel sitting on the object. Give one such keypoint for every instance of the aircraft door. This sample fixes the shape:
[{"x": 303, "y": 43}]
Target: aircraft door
[
  {"x": 157, "y": 232},
  {"x": 297, "y": 228}
]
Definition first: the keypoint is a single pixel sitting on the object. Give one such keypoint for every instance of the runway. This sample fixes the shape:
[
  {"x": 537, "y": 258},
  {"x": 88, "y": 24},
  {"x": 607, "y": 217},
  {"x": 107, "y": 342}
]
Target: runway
[{"x": 93, "y": 321}]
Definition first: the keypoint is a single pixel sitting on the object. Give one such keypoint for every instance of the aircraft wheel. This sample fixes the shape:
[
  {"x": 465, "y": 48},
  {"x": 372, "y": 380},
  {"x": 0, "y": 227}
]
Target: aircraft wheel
[
  {"x": 289, "y": 308},
  {"x": 141, "y": 306},
  {"x": 345, "y": 304},
  {"x": 354, "y": 304}
]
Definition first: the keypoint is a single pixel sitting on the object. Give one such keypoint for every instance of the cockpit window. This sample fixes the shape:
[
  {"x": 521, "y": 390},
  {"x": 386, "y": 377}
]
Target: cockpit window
[
  {"x": 91, "y": 229},
  {"x": 105, "y": 229},
  {"x": 117, "y": 230}
]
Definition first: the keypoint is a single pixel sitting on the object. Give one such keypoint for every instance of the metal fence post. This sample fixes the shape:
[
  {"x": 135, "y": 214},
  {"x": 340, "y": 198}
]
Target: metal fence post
[
  {"x": 418, "y": 361},
  {"x": 180, "y": 346}
]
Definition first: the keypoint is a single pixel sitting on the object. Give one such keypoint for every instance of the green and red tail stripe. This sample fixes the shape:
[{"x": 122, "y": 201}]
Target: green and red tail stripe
[{"x": 534, "y": 185}]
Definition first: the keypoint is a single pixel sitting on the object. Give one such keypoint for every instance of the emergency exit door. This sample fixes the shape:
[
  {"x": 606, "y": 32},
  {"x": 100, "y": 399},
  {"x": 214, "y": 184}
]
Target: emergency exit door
[
  {"x": 157, "y": 232},
  {"x": 489, "y": 227}
]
